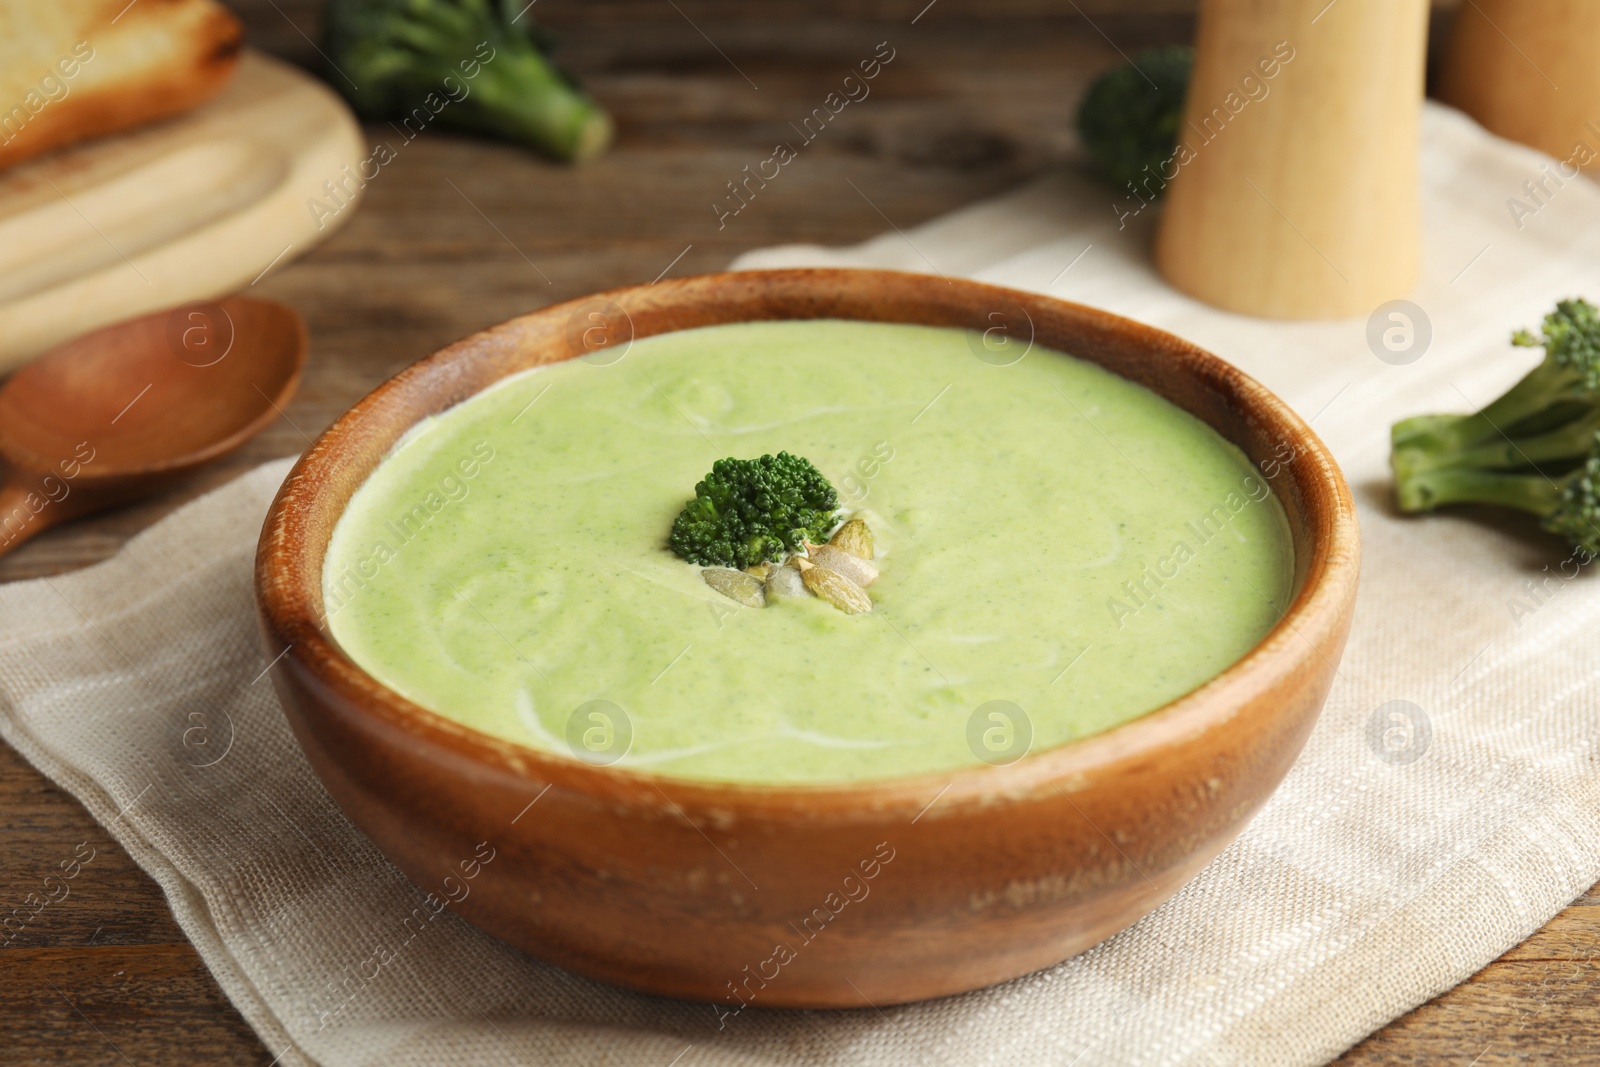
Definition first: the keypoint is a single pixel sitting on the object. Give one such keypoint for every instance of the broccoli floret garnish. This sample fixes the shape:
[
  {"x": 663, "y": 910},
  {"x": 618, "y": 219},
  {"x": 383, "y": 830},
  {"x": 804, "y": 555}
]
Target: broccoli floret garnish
[
  {"x": 1536, "y": 448},
  {"x": 747, "y": 511},
  {"x": 391, "y": 56},
  {"x": 1130, "y": 117}
]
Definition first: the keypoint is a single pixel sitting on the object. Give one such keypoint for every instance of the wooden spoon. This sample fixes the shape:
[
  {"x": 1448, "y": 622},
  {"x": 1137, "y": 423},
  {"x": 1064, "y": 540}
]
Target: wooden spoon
[{"x": 122, "y": 412}]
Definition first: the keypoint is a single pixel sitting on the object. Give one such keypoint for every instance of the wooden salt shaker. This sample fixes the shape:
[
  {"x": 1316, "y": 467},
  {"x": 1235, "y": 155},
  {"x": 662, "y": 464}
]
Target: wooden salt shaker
[
  {"x": 1296, "y": 186},
  {"x": 1527, "y": 70}
]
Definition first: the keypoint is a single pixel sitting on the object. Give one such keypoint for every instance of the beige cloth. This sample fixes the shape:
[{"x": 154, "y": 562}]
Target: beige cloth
[{"x": 1394, "y": 862}]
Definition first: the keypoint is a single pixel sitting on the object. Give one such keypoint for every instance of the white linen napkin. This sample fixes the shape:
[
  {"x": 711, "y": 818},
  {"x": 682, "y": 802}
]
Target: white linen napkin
[{"x": 1410, "y": 845}]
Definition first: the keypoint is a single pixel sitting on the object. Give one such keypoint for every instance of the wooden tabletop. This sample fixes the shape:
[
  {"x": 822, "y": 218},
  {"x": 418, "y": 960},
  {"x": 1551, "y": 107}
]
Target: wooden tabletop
[{"x": 979, "y": 98}]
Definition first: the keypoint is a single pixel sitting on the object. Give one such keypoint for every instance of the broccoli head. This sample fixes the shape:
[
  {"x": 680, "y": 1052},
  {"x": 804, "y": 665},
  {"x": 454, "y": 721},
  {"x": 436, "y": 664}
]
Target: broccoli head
[
  {"x": 751, "y": 510},
  {"x": 1535, "y": 448},
  {"x": 1130, "y": 117},
  {"x": 481, "y": 64},
  {"x": 1577, "y": 516}
]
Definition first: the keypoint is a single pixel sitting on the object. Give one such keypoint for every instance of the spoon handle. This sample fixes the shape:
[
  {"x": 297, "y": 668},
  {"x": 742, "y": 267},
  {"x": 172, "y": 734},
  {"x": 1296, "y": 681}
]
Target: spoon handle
[{"x": 26, "y": 508}]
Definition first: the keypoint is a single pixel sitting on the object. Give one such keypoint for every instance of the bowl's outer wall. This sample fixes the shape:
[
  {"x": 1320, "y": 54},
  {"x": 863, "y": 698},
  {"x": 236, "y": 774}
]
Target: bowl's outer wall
[{"x": 736, "y": 894}]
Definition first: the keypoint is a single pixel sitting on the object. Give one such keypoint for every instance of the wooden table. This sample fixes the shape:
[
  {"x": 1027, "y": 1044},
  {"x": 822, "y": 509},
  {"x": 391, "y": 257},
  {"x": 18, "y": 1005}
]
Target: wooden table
[{"x": 979, "y": 97}]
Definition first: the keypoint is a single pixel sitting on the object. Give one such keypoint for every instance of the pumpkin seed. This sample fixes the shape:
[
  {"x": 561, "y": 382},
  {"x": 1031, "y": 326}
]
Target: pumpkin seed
[
  {"x": 736, "y": 585},
  {"x": 854, "y": 537},
  {"x": 785, "y": 581},
  {"x": 852, "y": 567},
  {"x": 835, "y": 588}
]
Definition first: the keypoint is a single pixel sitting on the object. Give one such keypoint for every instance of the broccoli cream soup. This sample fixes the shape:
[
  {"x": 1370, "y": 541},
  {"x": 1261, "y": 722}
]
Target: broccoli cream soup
[{"x": 1057, "y": 551}]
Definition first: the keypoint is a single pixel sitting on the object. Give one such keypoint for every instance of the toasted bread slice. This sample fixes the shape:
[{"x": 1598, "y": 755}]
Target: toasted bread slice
[{"x": 72, "y": 69}]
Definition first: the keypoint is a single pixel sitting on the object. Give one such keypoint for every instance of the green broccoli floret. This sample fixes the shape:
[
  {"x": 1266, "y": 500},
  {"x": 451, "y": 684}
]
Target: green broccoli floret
[
  {"x": 749, "y": 510},
  {"x": 1130, "y": 117},
  {"x": 1535, "y": 448},
  {"x": 389, "y": 57}
]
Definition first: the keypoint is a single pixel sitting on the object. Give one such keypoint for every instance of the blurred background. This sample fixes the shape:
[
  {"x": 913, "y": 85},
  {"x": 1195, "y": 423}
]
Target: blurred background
[{"x": 458, "y": 233}]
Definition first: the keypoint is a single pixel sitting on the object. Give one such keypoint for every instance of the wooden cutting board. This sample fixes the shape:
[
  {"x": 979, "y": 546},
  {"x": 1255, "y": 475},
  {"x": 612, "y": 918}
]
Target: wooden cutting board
[{"x": 190, "y": 208}]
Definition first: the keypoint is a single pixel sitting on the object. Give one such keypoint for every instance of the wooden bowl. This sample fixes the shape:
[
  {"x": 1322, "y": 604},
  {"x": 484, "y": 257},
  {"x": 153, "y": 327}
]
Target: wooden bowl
[{"x": 809, "y": 896}]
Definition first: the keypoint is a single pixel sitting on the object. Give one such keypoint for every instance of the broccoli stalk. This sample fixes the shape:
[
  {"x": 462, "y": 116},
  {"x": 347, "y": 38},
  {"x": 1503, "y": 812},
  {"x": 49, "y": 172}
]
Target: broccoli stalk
[
  {"x": 1557, "y": 446},
  {"x": 391, "y": 55},
  {"x": 1535, "y": 448},
  {"x": 747, "y": 511},
  {"x": 1569, "y": 372},
  {"x": 1567, "y": 504}
]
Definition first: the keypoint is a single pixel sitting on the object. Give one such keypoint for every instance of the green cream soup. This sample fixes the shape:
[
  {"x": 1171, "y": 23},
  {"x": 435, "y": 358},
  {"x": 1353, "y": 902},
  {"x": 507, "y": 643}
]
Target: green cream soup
[{"x": 1061, "y": 551}]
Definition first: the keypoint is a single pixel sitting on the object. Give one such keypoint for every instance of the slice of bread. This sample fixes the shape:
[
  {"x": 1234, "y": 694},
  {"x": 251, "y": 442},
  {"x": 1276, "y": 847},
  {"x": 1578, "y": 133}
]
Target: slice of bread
[{"x": 72, "y": 69}]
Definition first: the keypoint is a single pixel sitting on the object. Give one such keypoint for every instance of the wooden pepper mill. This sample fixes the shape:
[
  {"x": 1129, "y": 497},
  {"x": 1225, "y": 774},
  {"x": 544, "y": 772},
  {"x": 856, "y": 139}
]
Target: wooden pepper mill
[
  {"x": 1296, "y": 186},
  {"x": 1528, "y": 70}
]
